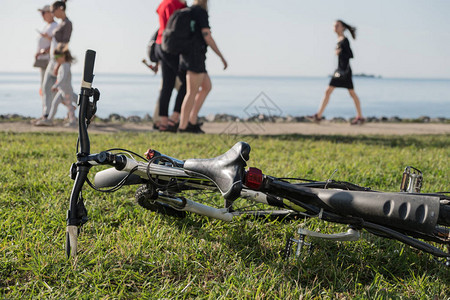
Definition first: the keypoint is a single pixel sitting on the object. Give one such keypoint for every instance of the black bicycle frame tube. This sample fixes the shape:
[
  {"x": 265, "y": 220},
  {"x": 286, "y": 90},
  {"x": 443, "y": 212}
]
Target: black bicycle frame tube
[
  {"x": 86, "y": 93},
  {"x": 291, "y": 192},
  {"x": 287, "y": 190},
  {"x": 82, "y": 167}
]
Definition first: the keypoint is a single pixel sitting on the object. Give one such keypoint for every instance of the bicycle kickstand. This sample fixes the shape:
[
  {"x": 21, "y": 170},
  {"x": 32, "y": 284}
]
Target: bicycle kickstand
[{"x": 350, "y": 235}]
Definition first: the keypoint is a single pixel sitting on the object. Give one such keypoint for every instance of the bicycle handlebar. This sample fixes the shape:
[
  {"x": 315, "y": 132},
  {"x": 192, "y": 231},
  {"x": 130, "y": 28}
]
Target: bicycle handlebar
[{"x": 88, "y": 73}]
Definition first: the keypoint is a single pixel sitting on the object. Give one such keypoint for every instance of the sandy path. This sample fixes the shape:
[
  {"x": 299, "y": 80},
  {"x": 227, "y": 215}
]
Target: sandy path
[{"x": 325, "y": 128}]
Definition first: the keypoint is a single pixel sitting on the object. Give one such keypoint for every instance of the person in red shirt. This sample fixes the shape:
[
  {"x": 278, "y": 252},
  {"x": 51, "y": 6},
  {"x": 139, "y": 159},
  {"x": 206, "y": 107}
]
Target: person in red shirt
[{"x": 169, "y": 65}]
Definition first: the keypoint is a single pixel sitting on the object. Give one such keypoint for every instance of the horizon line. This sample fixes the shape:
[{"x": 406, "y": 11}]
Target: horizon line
[{"x": 369, "y": 76}]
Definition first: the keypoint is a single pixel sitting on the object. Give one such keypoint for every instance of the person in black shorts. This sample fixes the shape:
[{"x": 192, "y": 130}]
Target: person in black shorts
[
  {"x": 342, "y": 77},
  {"x": 198, "y": 82}
]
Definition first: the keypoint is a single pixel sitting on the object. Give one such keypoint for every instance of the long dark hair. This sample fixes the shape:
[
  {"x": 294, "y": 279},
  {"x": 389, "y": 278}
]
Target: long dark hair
[
  {"x": 58, "y": 4},
  {"x": 350, "y": 28}
]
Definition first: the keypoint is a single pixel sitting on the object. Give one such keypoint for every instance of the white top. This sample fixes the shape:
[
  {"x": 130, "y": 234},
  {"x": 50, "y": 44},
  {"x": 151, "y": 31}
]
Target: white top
[{"x": 44, "y": 43}]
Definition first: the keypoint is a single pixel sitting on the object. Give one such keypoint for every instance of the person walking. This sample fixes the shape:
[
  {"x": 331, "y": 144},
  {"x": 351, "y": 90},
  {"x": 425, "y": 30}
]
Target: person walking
[
  {"x": 198, "y": 82},
  {"x": 62, "y": 87},
  {"x": 342, "y": 77},
  {"x": 61, "y": 34},
  {"x": 42, "y": 56},
  {"x": 169, "y": 66}
]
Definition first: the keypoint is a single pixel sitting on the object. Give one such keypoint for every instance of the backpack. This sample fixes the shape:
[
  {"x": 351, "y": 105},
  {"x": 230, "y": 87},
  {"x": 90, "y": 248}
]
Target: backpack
[
  {"x": 151, "y": 47},
  {"x": 178, "y": 34}
]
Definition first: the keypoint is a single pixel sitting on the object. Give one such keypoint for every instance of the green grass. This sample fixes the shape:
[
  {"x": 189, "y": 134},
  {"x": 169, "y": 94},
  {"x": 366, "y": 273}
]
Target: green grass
[{"x": 128, "y": 252}]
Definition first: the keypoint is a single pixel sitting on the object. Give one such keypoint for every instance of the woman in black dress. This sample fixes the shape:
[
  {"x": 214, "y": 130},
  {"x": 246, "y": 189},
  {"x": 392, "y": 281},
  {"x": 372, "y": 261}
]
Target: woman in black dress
[{"x": 342, "y": 77}]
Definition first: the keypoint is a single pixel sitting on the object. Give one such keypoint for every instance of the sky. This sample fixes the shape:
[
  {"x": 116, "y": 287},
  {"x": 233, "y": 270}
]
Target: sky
[{"x": 395, "y": 38}]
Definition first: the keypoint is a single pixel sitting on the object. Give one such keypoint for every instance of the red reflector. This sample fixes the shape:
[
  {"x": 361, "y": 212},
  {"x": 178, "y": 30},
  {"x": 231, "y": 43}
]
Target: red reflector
[
  {"x": 150, "y": 154},
  {"x": 254, "y": 178}
]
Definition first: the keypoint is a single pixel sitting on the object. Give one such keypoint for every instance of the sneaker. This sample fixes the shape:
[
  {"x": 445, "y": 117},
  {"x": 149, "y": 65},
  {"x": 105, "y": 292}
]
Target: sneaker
[
  {"x": 71, "y": 124},
  {"x": 44, "y": 122},
  {"x": 36, "y": 120}
]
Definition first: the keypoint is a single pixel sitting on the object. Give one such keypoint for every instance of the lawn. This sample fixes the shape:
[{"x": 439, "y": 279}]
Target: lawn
[{"x": 128, "y": 252}]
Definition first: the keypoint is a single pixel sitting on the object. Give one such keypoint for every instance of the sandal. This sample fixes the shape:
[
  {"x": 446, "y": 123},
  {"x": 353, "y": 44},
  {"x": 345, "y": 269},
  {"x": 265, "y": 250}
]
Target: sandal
[
  {"x": 196, "y": 127},
  {"x": 358, "y": 121},
  {"x": 314, "y": 118},
  {"x": 173, "y": 126},
  {"x": 192, "y": 128},
  {"x": 167, "y": 128}
]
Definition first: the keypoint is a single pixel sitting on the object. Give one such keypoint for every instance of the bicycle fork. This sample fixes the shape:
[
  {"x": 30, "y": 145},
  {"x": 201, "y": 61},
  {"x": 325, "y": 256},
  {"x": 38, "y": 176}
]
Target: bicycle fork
[{"x": 77, "y": 213}]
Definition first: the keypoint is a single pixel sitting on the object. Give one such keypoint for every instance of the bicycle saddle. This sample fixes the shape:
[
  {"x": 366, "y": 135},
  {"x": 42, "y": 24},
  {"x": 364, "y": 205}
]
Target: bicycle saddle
[{"x": 226, "y": 170}]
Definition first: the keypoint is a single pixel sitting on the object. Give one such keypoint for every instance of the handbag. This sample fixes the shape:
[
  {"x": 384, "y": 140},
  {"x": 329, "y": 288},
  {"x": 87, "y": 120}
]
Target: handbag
[
  {"x": 41, "y": 63},
  {"x": 342, "y": 74},
  {"x": 151, "y": 47}
]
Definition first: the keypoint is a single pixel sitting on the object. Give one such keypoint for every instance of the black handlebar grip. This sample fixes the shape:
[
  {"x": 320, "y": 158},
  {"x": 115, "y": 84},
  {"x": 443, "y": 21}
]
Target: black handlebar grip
[{"x": 88, "y": 74}]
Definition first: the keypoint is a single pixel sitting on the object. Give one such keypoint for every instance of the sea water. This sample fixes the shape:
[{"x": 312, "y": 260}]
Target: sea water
[{"x": 136, "y": 95}]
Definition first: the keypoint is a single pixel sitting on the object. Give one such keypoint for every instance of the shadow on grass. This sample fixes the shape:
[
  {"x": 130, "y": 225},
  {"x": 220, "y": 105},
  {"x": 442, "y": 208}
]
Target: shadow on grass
[
  {"x": 328, "y": 262},
  {"x": 434, "y": 141}
]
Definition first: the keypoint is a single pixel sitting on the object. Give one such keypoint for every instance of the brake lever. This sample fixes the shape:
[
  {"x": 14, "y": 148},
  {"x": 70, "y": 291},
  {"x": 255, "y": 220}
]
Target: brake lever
[{"x": 92, "y": 108}]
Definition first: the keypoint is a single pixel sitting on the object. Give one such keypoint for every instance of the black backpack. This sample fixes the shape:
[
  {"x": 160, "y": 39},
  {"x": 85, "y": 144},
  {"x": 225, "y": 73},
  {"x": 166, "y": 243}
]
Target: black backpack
[
  {"x": 151, "y": 47},
  {"x": 179, "y": 31}
]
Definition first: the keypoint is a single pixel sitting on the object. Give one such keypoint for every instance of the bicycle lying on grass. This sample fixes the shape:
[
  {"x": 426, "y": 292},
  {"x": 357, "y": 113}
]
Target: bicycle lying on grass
[{"x": 221, "y": 188}]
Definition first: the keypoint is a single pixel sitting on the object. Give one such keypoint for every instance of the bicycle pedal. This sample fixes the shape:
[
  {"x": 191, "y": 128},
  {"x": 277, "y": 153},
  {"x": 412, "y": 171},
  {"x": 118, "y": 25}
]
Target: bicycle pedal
[
  {"x": 287, "y": 249},
  {"x": 301, "y": 243}
]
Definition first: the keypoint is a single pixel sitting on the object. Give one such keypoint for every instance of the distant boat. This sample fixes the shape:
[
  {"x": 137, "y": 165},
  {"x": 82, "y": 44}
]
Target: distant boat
[{"x": 366, "y": 75}]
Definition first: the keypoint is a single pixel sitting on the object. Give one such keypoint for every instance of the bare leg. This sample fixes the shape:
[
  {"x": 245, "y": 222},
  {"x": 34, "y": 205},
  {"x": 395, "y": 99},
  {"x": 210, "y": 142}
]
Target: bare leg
[
  {"x": 156, "y": 119},
  {"x": 175, "y": 117},
  {"x": 163, "y": 121},
  {"x": 325, "y": 100},
  {"x": 357, "y": 103},
  {"x": 193, "y": 83},
  {"x": 200, "y": 99}
]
